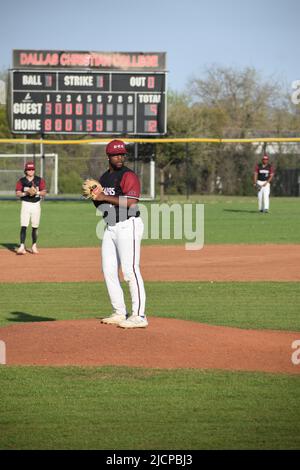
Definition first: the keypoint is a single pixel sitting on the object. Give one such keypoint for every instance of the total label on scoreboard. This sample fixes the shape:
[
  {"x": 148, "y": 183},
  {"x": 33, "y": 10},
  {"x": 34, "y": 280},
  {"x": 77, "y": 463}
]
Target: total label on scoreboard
[{"x": 87, "y": 102}]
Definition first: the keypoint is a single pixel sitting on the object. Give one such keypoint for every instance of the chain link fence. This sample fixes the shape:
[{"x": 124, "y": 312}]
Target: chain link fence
[{"x": 164, "y": 169}]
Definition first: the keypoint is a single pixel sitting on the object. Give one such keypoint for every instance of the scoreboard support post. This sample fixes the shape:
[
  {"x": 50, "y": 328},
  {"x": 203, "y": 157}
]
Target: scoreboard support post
[
  {"x": 42, "y": 158},
  {"x": 55, "y": 174}
]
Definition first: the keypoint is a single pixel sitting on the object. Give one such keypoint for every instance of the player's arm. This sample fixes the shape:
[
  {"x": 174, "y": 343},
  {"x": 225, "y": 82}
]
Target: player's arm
[
  {"x": 42, "y": 188},
  {"x": 271, "y": 175},
  {"x": 19, "y": 190}
]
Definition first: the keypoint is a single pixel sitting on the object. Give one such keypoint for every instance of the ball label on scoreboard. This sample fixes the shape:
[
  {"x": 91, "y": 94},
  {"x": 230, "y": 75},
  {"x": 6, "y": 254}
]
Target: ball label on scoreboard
[{"x": 87, "y": 101}]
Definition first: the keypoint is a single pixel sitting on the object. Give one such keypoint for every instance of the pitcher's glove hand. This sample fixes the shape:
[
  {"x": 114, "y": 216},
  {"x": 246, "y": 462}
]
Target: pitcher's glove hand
[
  {"x": 257, "y": 187},
  {"x": 91, "y": 188},
  {"x": 32, "y": 191}
]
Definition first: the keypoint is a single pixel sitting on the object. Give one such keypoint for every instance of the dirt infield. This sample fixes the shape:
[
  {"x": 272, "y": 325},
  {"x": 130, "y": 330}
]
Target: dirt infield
[
  {"x": 160, "y": 263},
  {"x": 165, "y": 343}
]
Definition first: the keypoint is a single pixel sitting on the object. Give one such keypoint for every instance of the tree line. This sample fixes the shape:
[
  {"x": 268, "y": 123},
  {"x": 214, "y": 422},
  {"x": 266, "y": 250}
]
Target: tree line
[{"x": 227, "y": 103}]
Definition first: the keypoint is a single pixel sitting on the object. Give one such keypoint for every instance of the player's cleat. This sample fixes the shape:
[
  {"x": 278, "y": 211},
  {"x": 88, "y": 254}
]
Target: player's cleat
[
  {"x": 21, "y": 250},
  {"x": 34, "y": 250},
  {"x": 134, "y": 322},
  {"x": 114, "y": 319}
]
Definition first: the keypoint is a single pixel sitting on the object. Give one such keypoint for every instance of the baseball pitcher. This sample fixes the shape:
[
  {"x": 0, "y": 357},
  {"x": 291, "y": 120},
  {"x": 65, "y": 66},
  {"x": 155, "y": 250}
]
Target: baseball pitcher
[{"x": 116, "y": 194}]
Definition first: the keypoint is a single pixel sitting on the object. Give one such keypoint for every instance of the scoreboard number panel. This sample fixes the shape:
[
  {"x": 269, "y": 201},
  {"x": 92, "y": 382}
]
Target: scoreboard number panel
[{"x": 79, "y": 102}]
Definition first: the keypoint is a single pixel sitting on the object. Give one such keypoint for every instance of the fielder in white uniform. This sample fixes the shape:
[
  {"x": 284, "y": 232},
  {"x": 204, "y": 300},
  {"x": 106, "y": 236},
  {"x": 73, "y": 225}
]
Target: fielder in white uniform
[
  {"x": 263, "y": 176},
  {"x": 122, "y": 238},
  {"x": 31, "y": 205}
]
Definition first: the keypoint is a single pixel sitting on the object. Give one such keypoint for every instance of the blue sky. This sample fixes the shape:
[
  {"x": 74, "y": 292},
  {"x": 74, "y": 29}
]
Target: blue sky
[{"x": 263, "y": 34}]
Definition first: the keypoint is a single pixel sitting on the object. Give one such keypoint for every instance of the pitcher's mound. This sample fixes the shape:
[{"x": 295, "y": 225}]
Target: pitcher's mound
[{"x": 166, "y": 343}]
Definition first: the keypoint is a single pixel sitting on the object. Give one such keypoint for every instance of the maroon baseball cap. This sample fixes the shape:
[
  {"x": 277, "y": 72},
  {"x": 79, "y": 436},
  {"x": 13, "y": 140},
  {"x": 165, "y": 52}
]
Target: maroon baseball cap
[
  {"x": 265, "y": 157},
  {"x": 29, "y": 166},
  {"x": 116, "y": 147}
]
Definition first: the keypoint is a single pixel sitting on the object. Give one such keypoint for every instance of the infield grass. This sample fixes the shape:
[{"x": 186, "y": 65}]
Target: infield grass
[
  {"x": 253, "y": 305},
  {"x": 227, "y": 220},
  {"x": 124, "y": 408}
]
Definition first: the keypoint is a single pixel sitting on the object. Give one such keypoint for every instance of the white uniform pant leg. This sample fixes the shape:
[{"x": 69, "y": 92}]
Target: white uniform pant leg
[
  {"x": 25, "y": 213},
  {"x": 263, "y": 196},
  {"x": 266, "y": 196},
  {"x": 260, "y": 196},
  {"x": 110, "y": 268},
  {"x": 35, "y": 214},
  {"x": 129, "y": 237}
]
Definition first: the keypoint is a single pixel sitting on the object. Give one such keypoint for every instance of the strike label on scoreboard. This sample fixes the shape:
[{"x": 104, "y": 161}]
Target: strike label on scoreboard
[{"x": 88, "y": 102}]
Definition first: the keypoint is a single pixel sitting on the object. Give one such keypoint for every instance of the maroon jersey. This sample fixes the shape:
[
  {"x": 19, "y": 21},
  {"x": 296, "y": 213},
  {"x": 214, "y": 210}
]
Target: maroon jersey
[
  {"x": 23, "y": 184},
  {"x": 263, "y": 172},
  {"x": 123, "y": 182}
]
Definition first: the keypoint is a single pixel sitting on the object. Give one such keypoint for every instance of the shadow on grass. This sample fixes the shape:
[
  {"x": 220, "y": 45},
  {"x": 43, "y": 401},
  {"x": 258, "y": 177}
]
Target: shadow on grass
[
  {"x": 241, "y": 210},
  {"x": 27, "y": 317},
  {"x": 10, "y": 246}
]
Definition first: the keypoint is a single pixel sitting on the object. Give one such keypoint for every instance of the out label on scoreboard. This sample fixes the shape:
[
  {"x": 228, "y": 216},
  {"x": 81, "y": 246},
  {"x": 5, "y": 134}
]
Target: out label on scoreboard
[{"x": 87, "y": 102}]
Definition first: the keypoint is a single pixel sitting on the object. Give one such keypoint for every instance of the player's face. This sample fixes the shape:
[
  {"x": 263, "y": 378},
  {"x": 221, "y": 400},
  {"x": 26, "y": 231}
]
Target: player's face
[
  {"x": 30, "y": 173},
  {"x": 116, "y": 161}
]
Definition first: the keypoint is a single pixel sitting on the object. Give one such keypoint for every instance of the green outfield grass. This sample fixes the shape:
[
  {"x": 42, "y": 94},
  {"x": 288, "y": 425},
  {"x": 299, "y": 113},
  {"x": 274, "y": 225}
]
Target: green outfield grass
[
  {"x": 219, "y": 303},
  {"x": 227, "y": 220},
  {"x": 124, "y": 408}
]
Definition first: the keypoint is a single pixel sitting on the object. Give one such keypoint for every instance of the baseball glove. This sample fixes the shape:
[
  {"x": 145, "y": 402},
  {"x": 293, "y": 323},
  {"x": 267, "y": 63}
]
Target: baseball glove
[
  {"x": 89, "y": 185},
  {"x": 257, "y": 187},
  {"x": 32, "y": 191}
]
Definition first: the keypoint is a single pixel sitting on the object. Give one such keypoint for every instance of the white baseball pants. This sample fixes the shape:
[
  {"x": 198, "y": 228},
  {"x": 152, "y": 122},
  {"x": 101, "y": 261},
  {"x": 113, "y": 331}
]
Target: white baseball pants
[
  {"x": 121, "y": 247},
  {"x": 263, "y": 196},
  {"x": 30, "y": 211}
]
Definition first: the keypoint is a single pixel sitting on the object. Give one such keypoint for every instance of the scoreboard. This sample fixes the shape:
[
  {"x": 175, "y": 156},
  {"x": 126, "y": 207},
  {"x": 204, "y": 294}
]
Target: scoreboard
[
  {"x": 53, "y": 100},
  {"x": 87, "y": 103}
]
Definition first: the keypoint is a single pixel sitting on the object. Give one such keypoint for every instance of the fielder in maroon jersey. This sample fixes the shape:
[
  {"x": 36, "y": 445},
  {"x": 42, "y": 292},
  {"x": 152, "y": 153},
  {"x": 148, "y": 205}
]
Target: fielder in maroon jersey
[
  {"x": 30, "y": 189},
  {"x": 263, "y": 175}
]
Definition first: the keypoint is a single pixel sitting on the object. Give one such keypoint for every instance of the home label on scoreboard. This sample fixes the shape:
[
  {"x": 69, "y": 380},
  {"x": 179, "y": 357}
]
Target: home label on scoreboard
[{"x": 87, "y": 102}]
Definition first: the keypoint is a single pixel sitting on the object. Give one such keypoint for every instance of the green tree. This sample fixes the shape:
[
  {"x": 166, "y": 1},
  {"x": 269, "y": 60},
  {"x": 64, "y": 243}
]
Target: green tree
[
  {"x": 243, "y": 105},
  {"x": 242, "y": 95}
]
